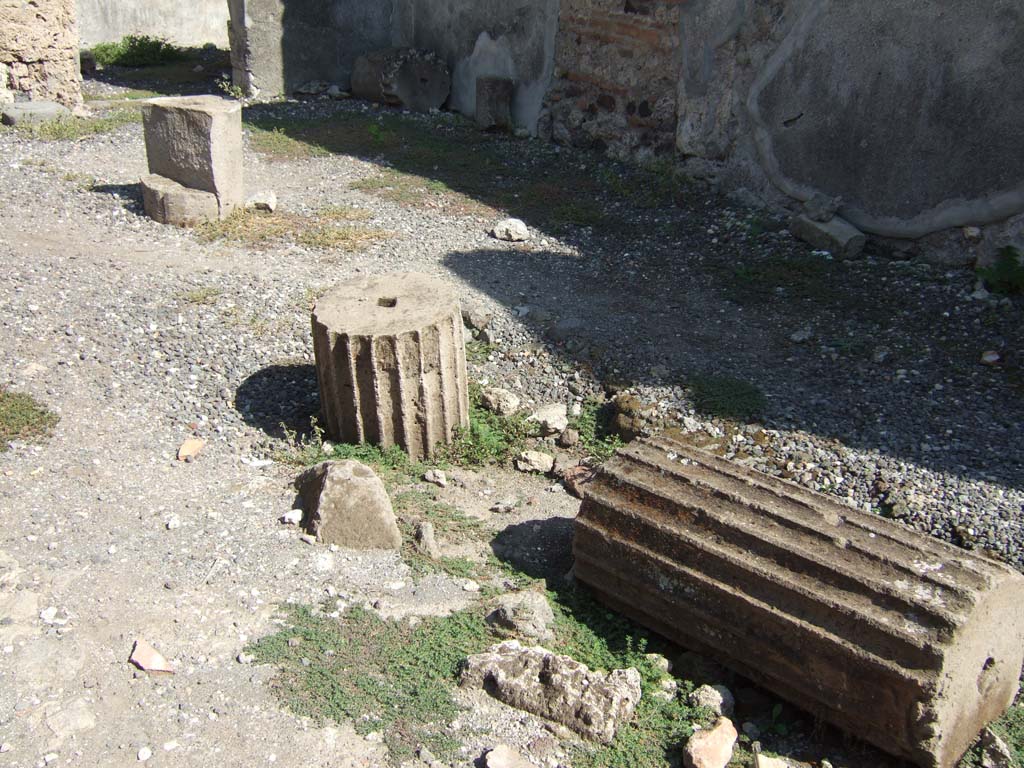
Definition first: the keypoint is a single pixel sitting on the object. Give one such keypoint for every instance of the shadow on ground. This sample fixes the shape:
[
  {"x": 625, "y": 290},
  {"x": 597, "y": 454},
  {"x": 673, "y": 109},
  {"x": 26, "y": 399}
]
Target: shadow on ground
[
  {"x": 198, "y": 71},
  {"x": 280, "y": 399},
  {"x": 676, "y": 286}
]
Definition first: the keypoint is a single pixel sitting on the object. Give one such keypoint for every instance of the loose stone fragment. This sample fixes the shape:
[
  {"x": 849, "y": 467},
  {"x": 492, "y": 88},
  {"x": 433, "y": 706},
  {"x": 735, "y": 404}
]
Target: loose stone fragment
[
  {"x": 346, "y": 504},
  {"x": 535, "y": 461},
  {"x": 190, "y": 448},
  {"x": 34, "y": 112},
  {"x": 503, "y": 756},
  {"x": 593, "y": 704},
  {"x": 711, "y": 747},
  {"x": 500, "y": 401},
  {"x": 846, "y": 605},
  {"x": 512, "y": 230},
  {"x": 149, "y": 659},
  {"x": 524, "y": 613},
  {"x": 837, "y": 236},
  {"x": 426, "y": 542},
  {"x": 553, "y": 418},
  {"x": 391, "y": 362},
  {"x": 717, "y": 698}
]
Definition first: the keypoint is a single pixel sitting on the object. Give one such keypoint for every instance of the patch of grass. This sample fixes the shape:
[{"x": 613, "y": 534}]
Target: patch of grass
[
  {"x": 72, "y": 128},
  {"x": 595, "y": 427},
  {"x": 260, "y": 229},
  {"x": 478, "y": 351},
  {"x": 490, "y": 438},
  {"x": 1006, "y": 275},
  {"x": 415, "y": 190},
  {"x": 277, "y": 142},
  {"x": 384, "y": 676},
  {"x": 137, "y": 51},
  {"x": 22, "y": 418},
  {"x": 343, "y": 213},
  {"x": 396, "y": 679},
  {"x": 727, "y": 398},
  {"x": 1010, "y": 728},
  {"x": 205, "y": 295},
  {"x": 414, "y": 507}
]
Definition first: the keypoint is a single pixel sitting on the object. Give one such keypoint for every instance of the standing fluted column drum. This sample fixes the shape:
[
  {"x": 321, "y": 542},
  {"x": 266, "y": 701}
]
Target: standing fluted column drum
[{"x": 391, "y": 362}]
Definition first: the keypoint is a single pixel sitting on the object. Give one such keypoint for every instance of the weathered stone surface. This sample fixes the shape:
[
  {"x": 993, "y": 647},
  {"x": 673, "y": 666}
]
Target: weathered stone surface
[
  {"x": 535, "y": 461},
  {"x": 503, "y": 756},
  {"x": 837, "y": 236},
  {"x": 494, "y": 102},
  {"x": 34, "y": 112},
  {"x": 391, "y": 362},
  {"x": 39, "y": 51},
  {"x": 500, "y": 401},
  {"x": 511, "y": 230},
  {"x": 717, "y": 698},
  {"x": 904, "y": 640},
  {"x": 593, "y": 704},
  {"x": 168, "y": 202},
  {"x": 345, "y": 503},
  {"x": 524, "y": 613},
  {"x": 711, "y": 747},
  {"x": 415, "y": 79},
  {"x": 197, "y": 142},
  {"x": 552, "y": 418},
  {"x": 426, "y": 543}
]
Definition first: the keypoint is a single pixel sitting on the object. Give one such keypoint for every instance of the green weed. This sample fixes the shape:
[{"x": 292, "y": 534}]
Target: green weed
[
  {"x": 1006, "y": 275},
  {"x": 22, "y": 418},
  {"x": 727, "y": 398},
  {"x": 594, "y": 425},
  {"x": 384, "y": 676},
  {"x": 490, "y": 438},
  {"x": 137, "y": 51},
  {"x": 72, "y": 128}
]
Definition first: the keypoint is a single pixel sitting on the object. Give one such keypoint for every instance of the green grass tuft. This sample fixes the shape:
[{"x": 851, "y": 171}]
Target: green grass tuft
[
  {"x": 72, "y": 128},
  {"x": 1006, "y": 275},
  {"x": 727, "y": 398},
  {"x": 490, "y": 438},
  {"x": 594, "y": 424},
  {"x": 137, "y": 51},
  {"x": 384, "y": 676},
  {"x": 22, "y": 418}
]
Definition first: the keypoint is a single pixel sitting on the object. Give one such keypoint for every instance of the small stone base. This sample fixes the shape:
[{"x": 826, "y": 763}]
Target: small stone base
[
  {"x": 837, "y": 236},
  {"x": 494, "y": 103},
  {"x": 168, "y": 202},
  {"x": 34, "y": 112}
]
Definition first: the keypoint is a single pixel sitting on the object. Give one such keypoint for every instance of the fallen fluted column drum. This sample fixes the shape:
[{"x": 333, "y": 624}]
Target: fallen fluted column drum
[
  {"x": 901, "y": 639},
  {"x": 391, "y": 362}
]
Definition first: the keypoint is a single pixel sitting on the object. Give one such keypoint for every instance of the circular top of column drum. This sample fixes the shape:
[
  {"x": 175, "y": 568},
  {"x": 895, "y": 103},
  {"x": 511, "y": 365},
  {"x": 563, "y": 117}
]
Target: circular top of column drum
[{"x": 385, "y": 305}]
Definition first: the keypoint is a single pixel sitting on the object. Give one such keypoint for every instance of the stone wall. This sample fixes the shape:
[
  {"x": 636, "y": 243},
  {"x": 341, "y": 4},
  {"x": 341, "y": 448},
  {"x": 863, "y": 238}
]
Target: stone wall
[
  {"x": 278, "y": 46},
  {"x": 194, "y": 23},
  {"x": 616, "y": 76},
  {"x": 39, "y": 51},
  {"x": 479, "y": 38},
  {"x": 911, "y": 111}
]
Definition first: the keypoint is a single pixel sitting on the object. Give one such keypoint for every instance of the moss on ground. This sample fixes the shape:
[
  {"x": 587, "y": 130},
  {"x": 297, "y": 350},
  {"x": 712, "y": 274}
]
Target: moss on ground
[{"x": 22, "y": 418}]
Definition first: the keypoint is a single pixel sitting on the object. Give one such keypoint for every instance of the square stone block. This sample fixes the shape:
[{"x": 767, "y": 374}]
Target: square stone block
[
  {"x": 168, "y": 202},
  {"x": 197, "y": 142}
]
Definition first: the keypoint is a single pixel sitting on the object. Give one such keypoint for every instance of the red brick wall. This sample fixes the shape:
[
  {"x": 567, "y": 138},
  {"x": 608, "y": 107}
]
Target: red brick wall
[{"x": 617, "y": 68}]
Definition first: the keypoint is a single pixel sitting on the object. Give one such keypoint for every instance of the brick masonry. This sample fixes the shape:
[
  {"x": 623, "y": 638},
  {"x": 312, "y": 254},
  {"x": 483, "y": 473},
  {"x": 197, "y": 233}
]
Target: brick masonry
[{"x": 616, "y": 77}]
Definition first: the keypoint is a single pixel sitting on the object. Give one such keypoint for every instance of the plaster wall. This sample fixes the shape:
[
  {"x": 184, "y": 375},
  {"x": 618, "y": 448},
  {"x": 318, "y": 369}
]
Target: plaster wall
[{"x": 190, "y": 24}]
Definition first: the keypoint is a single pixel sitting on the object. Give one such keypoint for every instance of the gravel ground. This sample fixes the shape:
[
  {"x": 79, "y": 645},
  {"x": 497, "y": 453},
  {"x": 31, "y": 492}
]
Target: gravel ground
[{"x": 140, "y": 335}]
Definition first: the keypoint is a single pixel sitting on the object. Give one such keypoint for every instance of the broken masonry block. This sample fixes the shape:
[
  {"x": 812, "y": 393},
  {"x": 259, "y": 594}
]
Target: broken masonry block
[{"x": 196, "y": 141}]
